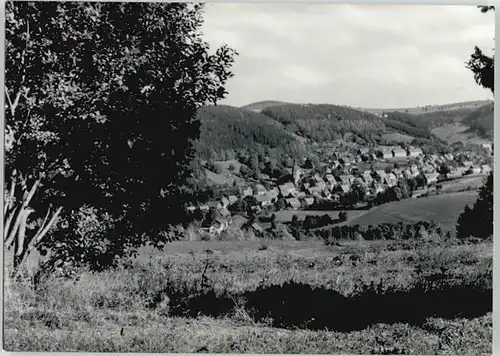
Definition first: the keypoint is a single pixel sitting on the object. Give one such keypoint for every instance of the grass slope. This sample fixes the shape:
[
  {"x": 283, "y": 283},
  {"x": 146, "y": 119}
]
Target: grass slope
[
  {"x": 130, "y": 310},
  {"x": 443, "y": 209}
]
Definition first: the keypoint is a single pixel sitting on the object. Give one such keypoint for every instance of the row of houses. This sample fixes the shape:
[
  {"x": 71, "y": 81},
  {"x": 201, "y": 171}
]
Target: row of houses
[
  {"x": 396, "y": 152},
  {"x": 304, "y": 188}
]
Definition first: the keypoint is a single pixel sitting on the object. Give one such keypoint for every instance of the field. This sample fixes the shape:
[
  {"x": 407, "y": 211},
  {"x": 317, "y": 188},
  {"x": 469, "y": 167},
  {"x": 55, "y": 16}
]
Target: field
[
  {"x": 221, "y": 179},
  {"x": 397, "y": 137},
  {"x": 224, "y": 166},
  {"x": 443, "y": 209},
  {"x": 457, "y": 133},
  {"x": 456, "y": 185},
  {"x": 287, "y": 215},
  {"x": 237, "y": 297}
]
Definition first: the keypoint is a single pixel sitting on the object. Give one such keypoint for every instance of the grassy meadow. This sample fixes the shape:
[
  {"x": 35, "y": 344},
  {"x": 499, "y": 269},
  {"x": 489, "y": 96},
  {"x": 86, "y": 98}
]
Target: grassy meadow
[
  {"x": 237, "y": 296},
  {"x": 443, "y": 209}
]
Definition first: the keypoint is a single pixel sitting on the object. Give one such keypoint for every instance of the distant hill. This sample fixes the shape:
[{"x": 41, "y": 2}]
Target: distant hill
[
  {"x": 471, "y": 105},
  {"x": 226, "y": 130},
  {"x": 261, "y": 105},
  {"x": 323, "y": 122}
]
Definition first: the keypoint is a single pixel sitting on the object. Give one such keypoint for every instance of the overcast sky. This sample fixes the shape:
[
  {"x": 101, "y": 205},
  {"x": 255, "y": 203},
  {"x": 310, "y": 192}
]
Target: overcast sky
[{"x": 372, "y": 56}]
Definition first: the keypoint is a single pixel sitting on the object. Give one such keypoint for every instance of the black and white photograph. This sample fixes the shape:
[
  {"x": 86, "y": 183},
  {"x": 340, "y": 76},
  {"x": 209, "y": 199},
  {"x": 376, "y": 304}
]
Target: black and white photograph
[{"x": 260, "y": 178}]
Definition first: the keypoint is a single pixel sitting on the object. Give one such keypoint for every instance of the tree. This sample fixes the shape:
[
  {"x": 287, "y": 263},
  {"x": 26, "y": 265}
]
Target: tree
[
  {"x": 483, "y": 68},
  {"x": 482, "y": 65},
  {"x": 444, "y": 169},
  {"x": 482, "y": 211},
  {"x": 99, "y": 97},
  {"x": 308, "y": 164}
]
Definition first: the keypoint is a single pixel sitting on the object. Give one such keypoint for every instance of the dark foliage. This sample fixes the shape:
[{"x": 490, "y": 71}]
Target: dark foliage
[
  {"x": 326, "y": 122},
  {"x": 227, "y": 130},
  {"x": 478, "y": 221},
  {"x": 102, "y": 101}
]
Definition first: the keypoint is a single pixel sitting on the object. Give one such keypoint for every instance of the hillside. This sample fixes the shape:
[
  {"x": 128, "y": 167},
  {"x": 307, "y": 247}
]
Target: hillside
[
  {"x": 481, "y": 120},
  {"x": 443, "y": 209},
  {"x": 476, "y": 127},
  {"x": 226, "y": 130},
  {"x": 322, "y": 122}
]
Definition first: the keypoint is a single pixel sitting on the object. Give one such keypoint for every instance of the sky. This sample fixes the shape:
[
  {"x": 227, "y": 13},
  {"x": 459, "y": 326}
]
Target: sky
[{"x": 371, "y": 56}]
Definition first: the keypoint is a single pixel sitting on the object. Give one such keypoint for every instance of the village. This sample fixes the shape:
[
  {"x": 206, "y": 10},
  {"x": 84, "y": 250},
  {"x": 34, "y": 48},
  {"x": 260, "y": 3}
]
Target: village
[{"x": 371, "y": 171}]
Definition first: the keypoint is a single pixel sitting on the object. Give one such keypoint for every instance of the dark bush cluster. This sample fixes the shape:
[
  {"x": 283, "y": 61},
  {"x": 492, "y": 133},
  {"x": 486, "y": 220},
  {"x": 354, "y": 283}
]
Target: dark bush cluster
[{"x": 384, "y": 231}]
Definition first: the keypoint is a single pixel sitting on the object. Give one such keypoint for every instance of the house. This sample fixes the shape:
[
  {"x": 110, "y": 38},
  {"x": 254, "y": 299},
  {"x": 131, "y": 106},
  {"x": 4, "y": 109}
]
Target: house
[
  {"x": 429, "y": 169},
  {"x": 274, "y": 192},
  {"x": 218, "y": 226},
  {"x": 265, "y": 176},
  {"x": 225, "y": 202},
  {"x": 467, "y": 164},
  {"x": 320, "y": 185},
  {"x": 191, "y": 208},
  {"x": 309, "y": 201},
  {"x": 381, "y": 175},
  {"x": 449, "y": 156},
  {"x": 264, "y": 200},
  {"x": 287, "y": 189},
  {"x": 398, "y": 152},
  {"x": 385, "y": 154},
  {"x": 453, "y": 174},
  {"x": 345, "y": 188},
  {"x": 363, "y": 151},
  {"x": 204, "y": 208},
  {"x": 391, "y": 180},
  {"x": 487, "y": 146},
  {"x": 245, "y": 192},
  {"x": 414, "y": 152},
  {"x": 293, "y": 203},
  {"x": 300, "y": 195},
  {"x": 347, "y": 178},
  {"x": 431, "y": 178},
  {"x": 474, "y": 170},
  {"x": 232, "y": 199},
  {"x": 397, "y": 172},
  {"x": 261, "y": 190},
  {"x": 224, "y": 212},
  {"x": 336, "y": 163},
  {"x": 407, "y": 174},
  {"x": 367, "y": 177},
  {"x": 330, "y": 179},
  {"x": 314, "y": 191},
  {"x": 373, "y": 156},
  {"x": 215, "y": 204},
  {"x": 485, "y": 169}
]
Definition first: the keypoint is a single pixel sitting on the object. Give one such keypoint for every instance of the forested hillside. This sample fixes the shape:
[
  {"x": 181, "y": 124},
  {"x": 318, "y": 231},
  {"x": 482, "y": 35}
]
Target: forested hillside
[
  {"x": 481, "y": 121},
  {"x": 226, "y": 131},
  {"x": 323, "y": 122}
]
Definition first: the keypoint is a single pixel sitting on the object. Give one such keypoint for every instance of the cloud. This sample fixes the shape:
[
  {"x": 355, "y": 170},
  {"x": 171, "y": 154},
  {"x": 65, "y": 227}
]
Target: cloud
[
  {"x": 360, "y": 55},
  {"x": 303, "y": 75}
]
